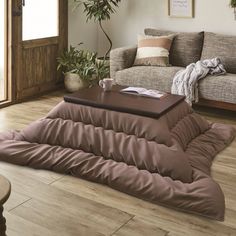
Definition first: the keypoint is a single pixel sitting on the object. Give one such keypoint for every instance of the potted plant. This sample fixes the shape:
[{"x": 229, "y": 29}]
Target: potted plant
[
  {"x": 81, "y": 68},
  {"x": 233, "y": 5},
  {"x": 99, "y": 10}
]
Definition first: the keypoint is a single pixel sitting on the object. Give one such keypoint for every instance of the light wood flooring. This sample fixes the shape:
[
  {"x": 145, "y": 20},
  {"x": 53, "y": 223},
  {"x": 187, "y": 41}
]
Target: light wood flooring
[{"x": 44, "y": 203}]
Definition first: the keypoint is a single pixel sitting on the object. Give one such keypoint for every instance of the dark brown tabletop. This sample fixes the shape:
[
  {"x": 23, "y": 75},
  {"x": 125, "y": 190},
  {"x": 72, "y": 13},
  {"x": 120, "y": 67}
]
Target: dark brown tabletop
[{"x": 128, "y": 103}]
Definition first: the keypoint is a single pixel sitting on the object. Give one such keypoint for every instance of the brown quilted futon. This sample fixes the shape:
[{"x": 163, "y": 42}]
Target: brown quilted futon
[{"x": 166, "y": 161}]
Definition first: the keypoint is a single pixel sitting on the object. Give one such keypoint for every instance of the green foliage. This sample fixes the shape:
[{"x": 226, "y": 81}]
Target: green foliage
[
  {"x": 68, "y": 60},
  {"x": 98, "y": 11},
  {"x": 102, "y": 69},
  {"x": 233, "y": 3},
  {"x": 84, "y": 63}
]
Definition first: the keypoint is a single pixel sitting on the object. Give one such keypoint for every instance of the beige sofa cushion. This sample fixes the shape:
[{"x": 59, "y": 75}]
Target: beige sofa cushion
[
  {"x": 186, "y": 47},
  {"x": 148, "y": 77},
  {"x": 222, "y": 46},
  {"x": 219, "y": 88}
]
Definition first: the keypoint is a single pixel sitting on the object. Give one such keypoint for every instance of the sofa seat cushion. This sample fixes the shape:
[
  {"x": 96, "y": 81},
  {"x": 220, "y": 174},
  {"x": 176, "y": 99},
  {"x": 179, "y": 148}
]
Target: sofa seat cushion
[
  {"x": 148, "y": 77},
  {"x": 186, "y": 46},
  {"x": 222, "y": 46},
  {"x": 219, "y": 88}
]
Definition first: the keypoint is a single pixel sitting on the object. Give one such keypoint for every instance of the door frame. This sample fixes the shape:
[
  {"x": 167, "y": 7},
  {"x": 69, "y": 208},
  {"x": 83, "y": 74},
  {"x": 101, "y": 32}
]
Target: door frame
[
  {"x": 7, "y": 56},
  {"x": 17, "y": 44}
]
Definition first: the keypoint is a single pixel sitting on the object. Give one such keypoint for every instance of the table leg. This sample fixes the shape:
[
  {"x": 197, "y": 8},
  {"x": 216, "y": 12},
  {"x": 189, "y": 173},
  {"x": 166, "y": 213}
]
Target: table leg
[{"x": 2, "y": 223}]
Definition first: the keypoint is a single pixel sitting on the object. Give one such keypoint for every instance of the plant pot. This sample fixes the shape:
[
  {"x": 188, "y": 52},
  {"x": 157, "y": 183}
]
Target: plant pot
[
  {"x": 107, "y": 60},
  {"x": 73, "y": 82}
]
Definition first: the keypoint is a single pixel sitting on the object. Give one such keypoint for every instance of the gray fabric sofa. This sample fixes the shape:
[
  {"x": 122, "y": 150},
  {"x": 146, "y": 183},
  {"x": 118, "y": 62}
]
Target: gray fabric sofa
[{"x": 215, "y": 91}]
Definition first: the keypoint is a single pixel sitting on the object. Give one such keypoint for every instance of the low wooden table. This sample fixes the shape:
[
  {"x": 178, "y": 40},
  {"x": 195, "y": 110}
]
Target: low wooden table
[
  {"x": 117, "y": 101},
  {"x": 5, "y": 190}
]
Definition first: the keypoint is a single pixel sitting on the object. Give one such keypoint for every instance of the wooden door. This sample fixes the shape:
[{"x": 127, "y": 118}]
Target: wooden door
[
  {"x": 3, "y": 51},
  {"x": 35, "y": 47}
]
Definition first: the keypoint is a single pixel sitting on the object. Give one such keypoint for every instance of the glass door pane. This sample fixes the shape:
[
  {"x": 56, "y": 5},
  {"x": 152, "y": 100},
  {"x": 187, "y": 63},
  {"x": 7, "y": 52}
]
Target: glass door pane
[
  {"x": 2, "y": 49},
  {"x": 40, "y": 19}
]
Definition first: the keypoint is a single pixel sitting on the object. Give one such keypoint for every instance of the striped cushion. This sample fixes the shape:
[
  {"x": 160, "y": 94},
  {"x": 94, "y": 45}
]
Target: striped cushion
[{"x": 153, "y": 50}]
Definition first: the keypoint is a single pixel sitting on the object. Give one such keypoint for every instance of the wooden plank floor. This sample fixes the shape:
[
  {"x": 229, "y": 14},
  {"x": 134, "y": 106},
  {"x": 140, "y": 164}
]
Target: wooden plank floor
[{"x": 44, "y": 203}]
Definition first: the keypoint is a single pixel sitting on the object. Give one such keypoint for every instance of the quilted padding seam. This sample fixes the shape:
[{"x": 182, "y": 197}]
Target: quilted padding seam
[
  {"x": 177, "y": 122},
  {"x": 189, "y": 143},
  {"x": 192, "y": 138},
  {"x": 118, "y": 132},
  {"x": 81, "y": 149},
  {"x": 103, "y": 157}
]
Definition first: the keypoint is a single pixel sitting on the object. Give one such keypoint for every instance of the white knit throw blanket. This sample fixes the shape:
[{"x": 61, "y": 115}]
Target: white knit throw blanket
[{"x": 185, "y": 81}]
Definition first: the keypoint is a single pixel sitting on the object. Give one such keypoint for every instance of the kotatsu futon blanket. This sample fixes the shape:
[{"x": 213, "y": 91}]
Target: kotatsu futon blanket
[{"x": 166, "y": 161}]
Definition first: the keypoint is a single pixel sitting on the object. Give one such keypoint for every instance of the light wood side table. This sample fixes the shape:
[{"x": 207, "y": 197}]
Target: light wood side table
[{"x": 5, "y": 190}]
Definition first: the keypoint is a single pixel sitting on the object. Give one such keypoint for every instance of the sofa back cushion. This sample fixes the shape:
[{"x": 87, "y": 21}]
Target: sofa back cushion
[
  {"x": 186, "y": 47},
  {"x": 222, "y": 46}
]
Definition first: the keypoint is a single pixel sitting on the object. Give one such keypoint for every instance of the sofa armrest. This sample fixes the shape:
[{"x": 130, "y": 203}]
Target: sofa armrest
[{"x": 121, "y": 58}]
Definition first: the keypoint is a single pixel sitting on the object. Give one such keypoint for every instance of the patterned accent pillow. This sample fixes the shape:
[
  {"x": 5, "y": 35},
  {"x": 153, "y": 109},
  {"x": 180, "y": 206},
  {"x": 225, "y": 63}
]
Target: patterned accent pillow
[{"x": 153, "y": 50}]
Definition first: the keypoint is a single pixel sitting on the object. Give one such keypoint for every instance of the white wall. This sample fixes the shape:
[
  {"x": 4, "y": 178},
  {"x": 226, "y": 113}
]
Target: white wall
[
  {"x": 80, "y": 30},
  {"x": 133, "y": 16}
]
